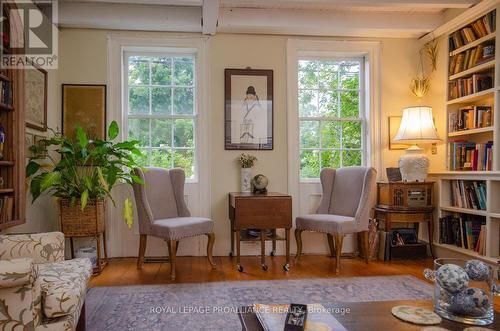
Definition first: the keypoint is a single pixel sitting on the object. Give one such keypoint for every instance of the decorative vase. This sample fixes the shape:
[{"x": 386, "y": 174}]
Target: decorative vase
[
  {"x": 413, "y": 165},
  {"x": 246, "y": 178}
]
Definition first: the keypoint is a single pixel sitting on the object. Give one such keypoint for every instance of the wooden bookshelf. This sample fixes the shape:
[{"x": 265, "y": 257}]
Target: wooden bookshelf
[
  {"x": 13, "y": 162},
  {"x": 479, "y": 135}
]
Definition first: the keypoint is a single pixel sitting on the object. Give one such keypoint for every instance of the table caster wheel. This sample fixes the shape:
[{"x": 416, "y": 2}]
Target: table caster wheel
[
  {"x": 286, "y": 267},
  {"x": 240, "y": 268},
  {"x": 273, "y": 253},
  {"x": 230, "y": 254}
]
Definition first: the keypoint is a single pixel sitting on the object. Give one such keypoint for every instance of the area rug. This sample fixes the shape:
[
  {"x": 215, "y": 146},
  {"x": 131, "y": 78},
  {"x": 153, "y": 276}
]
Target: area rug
[{"x": 213, "y": 306}]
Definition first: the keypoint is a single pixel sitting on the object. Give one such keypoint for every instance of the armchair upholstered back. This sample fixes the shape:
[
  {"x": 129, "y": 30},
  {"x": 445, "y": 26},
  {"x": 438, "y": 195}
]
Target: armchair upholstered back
[
  {"x": 161, "y": 196},
  {"x": 349, "y": 191}
]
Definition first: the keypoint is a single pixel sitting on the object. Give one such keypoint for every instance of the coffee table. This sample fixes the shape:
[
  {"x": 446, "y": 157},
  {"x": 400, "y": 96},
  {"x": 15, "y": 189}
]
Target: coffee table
[{"x": 375, "y": 315}]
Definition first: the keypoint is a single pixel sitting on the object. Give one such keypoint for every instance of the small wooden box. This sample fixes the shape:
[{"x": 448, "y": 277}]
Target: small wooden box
[{"x": 405, "y": 195}]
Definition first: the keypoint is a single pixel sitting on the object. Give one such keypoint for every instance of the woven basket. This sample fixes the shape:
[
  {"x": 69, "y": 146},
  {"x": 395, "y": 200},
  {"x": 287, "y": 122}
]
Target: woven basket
[{"x": 78, "y": 223}]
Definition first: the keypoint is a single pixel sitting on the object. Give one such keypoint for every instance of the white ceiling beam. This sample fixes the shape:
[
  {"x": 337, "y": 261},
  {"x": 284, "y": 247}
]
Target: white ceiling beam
[
  {"x": 411, "y": 4},
  {"x": 210, "y": 16},
  {"x": 129, "y": 17},
  {"x": 196, "y": 3},
  {"x": 327, "y": 23}
]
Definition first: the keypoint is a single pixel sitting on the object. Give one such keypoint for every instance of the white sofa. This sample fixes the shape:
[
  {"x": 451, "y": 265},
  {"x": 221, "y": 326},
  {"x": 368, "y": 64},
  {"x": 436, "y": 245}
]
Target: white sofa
[{"x": 39, "y": 290}]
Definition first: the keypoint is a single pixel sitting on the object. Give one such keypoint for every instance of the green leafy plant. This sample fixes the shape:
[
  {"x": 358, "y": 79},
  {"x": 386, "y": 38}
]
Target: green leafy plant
[{"x": 85, "y": 170}]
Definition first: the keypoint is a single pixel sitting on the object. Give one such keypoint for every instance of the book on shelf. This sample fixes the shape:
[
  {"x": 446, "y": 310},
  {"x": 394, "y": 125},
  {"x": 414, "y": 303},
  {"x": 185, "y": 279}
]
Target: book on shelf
[
  {"x": 6, "y": 93},
  {"x": 470, "y": 117},
  {"x": 466, "y": 86},
  {"x": 6, "y": 209},
  {"x": 473, "y": 31},
  {"x": 471, "y": 156},
  {"x": 470, "y": 58},
  {"x": 463, "y": 230},
  {"x": 469, "y": 194}
]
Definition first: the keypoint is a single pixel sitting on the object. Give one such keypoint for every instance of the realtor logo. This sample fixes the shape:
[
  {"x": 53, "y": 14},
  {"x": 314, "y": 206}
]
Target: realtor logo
[{"x": 29, "y": 34}]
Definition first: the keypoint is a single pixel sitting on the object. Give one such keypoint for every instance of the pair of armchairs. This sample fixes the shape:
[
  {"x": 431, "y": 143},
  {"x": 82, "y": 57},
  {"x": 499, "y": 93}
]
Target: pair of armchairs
[{"x": 39, "y": 290}]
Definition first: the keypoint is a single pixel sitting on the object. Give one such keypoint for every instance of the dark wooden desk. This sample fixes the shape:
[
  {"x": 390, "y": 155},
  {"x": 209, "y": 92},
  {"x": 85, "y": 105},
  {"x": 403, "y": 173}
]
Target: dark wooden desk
[
  {"x": 269, "y": 211},
  {"x": 370, "y": 316}
]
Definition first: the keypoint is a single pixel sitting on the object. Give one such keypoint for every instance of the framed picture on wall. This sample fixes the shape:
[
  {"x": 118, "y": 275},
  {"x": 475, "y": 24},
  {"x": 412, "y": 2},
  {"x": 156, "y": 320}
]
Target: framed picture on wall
[
  {"x": 84, "y": 105},
  {"x": 248, "y": 117},
  {"x": 35, "y": 98},
  {"x": 394, "y": 122}
]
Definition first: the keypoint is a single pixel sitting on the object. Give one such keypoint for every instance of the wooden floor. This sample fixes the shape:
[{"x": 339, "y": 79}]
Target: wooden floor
[{"x": 123, "y": 271}]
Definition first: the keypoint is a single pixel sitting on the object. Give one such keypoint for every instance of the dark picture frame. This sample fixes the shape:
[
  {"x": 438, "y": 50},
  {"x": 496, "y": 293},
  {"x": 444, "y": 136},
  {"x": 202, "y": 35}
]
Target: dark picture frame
[
  {"x": 84, "y": 105},
  {"x": 35, "y": 117},
  {"x": 248, "y": 109}
]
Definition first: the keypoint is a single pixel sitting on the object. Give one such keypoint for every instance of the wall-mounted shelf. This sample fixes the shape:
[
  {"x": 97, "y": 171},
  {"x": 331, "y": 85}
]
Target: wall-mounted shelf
[
  {"x": 4, "y": 163},
  {"x": 473, "y": 44},
  {"x": 474, "y": 70},
  {"x": 470, "y": 132},
  {"x": 472, "y": 97}
]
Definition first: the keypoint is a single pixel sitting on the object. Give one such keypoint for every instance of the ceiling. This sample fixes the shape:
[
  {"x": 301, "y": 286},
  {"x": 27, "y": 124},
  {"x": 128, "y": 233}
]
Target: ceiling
[{"x": 368, "y": 18}]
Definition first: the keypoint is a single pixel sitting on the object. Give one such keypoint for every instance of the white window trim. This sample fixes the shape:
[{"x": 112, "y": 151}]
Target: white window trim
[
  {"x": 118, "y": 43},
  {"x": 167, "y": 52},
  {"x": 300, "y": 48}
]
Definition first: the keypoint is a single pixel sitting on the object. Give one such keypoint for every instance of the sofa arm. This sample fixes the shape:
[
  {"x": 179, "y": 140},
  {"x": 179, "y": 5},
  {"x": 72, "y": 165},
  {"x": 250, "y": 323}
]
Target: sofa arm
[
  {"x": 17, "y": 272},
  {"x": 18, "y": 295},
  {"x": 41, "y": 247}
]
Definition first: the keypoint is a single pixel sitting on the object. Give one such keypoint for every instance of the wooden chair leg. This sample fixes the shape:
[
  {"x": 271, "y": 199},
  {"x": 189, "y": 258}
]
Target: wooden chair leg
[
  {"x": 176, "y": 246},
  {"x": 142, "y": 250},
  {"x": 364, "y": 243},
  {"x": 331, "y": 244},
  {"x": 210, "y": 247},
  {"x": 339, "y": 238},
  {"x": 298, "y": 239},
  {"x": 171, "y": 251}
]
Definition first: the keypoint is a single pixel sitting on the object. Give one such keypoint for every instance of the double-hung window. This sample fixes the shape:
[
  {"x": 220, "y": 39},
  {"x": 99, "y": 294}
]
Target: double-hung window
[
  {"x": 331, "y": 114},
  {"x": 161, "y": 108}
]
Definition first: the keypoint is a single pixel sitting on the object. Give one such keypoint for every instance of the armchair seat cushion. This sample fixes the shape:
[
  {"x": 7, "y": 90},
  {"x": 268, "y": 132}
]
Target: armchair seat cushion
[
  {"x": 181, "y": 227},
  {"x": 64, "y": 285},
  {"x": 326, "y": 223}
]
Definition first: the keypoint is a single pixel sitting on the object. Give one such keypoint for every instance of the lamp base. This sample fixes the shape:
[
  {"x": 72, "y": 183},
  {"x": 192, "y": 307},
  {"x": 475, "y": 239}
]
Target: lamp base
[{"x": 414, "y": 165}]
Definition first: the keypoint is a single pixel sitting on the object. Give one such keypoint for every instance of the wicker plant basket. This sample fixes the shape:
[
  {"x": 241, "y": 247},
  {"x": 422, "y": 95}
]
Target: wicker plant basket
[{"x": 78, "y": 223}]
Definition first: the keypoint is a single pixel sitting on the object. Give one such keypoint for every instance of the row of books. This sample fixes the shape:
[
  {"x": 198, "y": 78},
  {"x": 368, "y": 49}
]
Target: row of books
[
  {"x": 6, "y": 93},
  {"x": 469, "y": 194},
  {"x": 471, "y": 57},
  {"x": 465, "y": 231},
  {"x": 477, "y": 29},
  {"x": 6, "y": 209},
  {"x": 473, "y": 156},
  {"x": 470, "y": 117},
  {"x": 466, "y": 86}
]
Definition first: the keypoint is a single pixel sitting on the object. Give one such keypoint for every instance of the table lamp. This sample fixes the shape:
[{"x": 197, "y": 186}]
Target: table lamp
[{"x": 417, "y": 127}]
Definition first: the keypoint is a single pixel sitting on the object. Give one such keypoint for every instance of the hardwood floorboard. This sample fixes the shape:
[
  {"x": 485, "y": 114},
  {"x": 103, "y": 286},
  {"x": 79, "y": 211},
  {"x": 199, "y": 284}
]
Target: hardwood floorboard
[{"x": 123, "y": 271}]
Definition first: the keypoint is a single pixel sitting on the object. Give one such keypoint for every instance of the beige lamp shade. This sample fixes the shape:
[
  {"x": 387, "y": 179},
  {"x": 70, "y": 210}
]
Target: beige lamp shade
[{"x": 417, "y": 126}]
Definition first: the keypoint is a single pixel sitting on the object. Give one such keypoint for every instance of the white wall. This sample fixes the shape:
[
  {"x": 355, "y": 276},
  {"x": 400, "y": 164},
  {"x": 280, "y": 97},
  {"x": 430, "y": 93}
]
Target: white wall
[{"x": 83, "y": 59}]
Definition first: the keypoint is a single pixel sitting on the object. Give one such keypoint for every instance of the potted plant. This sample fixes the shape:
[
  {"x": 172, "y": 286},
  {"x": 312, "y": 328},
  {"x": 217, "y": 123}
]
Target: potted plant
[
  {"x": 246, "y": 161},
  {"x": 83, "y": 176}
]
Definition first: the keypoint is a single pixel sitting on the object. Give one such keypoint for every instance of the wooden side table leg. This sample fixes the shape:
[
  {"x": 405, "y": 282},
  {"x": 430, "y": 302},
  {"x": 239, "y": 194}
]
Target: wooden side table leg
[
  {"x": 430, "y": 227},
  {"x": 238, "y": 243},
  {"x": 273, "y": 252},
  {"x": 263, "y": 249},
  {"x": 72, "y": 247},
  {"x": 231, "y": 253},
  {"x": 286, "y": 267}
]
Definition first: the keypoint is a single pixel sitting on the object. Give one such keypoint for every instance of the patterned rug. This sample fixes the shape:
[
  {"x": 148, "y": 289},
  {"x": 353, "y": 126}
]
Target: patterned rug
[{"x": 213, "y": 306}]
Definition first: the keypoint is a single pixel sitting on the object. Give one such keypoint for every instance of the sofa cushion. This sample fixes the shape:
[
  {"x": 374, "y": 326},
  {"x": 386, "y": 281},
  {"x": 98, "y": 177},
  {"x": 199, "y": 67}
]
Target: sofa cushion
[
  {"x": 64, "y": 285},
  {"x": 41, "y": 247}
]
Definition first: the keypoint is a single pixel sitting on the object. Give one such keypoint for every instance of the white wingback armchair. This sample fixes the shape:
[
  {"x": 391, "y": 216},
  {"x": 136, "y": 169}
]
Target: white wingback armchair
[{"x": 39, "y": 290}]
